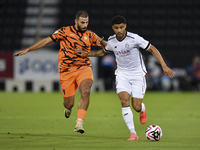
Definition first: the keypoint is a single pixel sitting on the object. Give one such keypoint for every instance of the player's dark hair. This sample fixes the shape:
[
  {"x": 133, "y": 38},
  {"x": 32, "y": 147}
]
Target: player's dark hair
[
  {"x": 81, "y": 13},
  {"x": 118, "y": 20}
]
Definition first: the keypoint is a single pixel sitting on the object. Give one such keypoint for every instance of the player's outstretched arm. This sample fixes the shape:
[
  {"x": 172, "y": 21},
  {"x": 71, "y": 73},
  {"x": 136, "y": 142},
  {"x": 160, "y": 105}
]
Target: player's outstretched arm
[
  {"x": 158, "y": 56},
  {"x": 98, "y": 53},
  {"x": 39, "y": 44}
]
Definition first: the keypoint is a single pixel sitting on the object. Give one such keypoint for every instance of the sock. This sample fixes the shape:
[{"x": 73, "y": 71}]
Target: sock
[
  {"x": 81, "y": 115},
  {"x": 128, "y": 118},
  {"x": 143, "y": 108}
]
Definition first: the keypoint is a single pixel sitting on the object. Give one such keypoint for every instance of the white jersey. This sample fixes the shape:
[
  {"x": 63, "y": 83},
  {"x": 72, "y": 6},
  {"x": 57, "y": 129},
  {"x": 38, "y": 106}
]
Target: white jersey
[{"x": 128, "y": 56}]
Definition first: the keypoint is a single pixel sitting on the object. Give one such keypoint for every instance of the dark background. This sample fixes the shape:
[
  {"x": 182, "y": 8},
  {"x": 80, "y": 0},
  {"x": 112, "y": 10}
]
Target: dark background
[{"x": 172, "y": 26}]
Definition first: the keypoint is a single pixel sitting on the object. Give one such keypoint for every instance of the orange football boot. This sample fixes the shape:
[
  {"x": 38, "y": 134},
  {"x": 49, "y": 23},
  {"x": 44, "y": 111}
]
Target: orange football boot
[
  {"x": 143, "y": 117},
  {"x": 133, "y": 137}
]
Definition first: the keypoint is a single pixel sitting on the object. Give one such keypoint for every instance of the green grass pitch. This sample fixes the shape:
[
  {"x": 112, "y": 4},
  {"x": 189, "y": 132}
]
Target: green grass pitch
[{"x": 36, "y": 121}]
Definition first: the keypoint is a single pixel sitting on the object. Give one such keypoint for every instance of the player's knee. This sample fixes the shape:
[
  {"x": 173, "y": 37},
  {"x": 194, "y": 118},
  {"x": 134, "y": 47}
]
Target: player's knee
[
  {"x": 85, "y": 92},
  {"x": 124, "y": 103}
]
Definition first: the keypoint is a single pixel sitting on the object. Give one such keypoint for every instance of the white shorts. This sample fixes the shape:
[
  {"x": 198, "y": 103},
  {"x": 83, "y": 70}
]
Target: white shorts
[{"x": 134, "y": 85}]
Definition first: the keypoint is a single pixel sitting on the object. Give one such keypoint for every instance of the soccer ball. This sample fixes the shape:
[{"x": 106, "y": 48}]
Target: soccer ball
[{"x": 153, "y": 133}]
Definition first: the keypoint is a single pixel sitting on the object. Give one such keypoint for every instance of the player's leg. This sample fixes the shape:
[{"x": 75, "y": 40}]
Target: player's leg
[
  {"x": 84, "y": 80},
  {"x": 127, "y": 114},
  {"x": 137, "y": 104},
  {"x": 69, "y": 88},
  {"x": 85, "y": 87},
  {"x": 138, "y": 91},
  {"x": 124, "y": 98},
  {"x": 139, "y": 107},
  {"x": 68, "y": 104},
  {"x": 123, "y": 89},
  {"x": 83, "y": 104}
]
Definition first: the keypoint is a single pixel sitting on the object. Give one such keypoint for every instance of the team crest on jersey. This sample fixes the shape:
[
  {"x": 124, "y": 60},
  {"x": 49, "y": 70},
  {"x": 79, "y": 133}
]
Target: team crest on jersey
[
  {"x": 127, "y": 45},
  {"x": 85, "y": 38}
]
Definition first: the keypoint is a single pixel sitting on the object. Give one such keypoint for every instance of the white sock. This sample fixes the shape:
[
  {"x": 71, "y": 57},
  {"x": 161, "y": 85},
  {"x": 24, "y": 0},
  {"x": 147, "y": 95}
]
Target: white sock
[
  {"x": 143, "y": 108},
  {"x": 128, "y": 118},
  {"x": 79, "y": 121}
]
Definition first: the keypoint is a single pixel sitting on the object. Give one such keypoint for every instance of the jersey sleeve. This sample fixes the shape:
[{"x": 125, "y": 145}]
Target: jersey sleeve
[
  {"x": 108, "y": 47},
  {"x": 94, "y": 38},
  {"x": 142, "y": 43},
  {"x": 58, "y": 35}
]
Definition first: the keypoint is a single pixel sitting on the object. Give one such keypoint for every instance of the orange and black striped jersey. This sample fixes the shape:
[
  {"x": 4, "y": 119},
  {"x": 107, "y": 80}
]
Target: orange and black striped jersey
[{"x": 70, "y": 39}]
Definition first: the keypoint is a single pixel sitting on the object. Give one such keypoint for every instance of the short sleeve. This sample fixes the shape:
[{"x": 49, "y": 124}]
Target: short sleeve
[
  {"x": 108, "y": 48},
  {"x": 142, "y": 43},
  {"x": 58, "y": 35},
  {"x": 94, "y": 38}
]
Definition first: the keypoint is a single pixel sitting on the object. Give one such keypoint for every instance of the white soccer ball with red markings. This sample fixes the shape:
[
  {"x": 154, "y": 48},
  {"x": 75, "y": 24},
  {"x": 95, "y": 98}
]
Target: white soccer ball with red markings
[{"x": 153, "y": 133}]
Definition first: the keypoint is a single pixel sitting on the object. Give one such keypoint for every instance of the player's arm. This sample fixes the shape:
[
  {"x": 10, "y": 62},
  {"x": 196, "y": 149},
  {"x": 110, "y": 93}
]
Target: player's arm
[
  {"x": 39, "y": 44},
  {"x": 98, "y": 53},
  {"x": 158, "y": 56},
  {"x": 101, "y": 43}
]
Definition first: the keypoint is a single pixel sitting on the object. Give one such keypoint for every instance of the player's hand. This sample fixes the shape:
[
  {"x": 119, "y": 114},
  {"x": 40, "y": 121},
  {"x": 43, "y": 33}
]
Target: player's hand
[
  {"x": 99, "y": 42},
  {"x": 80, "y": 52},
  {"x": 23, "y": 52},
  {"x": 168, "y": 71}
]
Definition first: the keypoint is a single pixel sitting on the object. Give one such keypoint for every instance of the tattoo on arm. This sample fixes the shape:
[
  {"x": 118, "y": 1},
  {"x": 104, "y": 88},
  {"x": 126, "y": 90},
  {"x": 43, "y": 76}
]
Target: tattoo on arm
[{"x": 98, "y": 53}]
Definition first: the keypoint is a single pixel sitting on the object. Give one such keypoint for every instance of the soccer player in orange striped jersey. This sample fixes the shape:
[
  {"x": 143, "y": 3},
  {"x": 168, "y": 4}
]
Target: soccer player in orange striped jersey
[{"x": 75, "y": 71}]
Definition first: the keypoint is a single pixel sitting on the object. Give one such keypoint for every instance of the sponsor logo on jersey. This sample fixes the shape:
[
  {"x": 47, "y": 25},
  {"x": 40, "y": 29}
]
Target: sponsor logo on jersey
[{"x": 122, "y": 53}]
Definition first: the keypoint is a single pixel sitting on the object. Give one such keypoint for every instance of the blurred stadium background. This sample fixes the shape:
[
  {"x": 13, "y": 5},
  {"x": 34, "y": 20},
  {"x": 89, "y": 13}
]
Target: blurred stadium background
[{"x": 172, "y": 26}]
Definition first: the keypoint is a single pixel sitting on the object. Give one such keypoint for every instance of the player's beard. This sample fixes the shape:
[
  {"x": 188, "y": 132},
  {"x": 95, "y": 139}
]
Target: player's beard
[
  {"x": 120, "y": 35},
  {"x": 81, "y": 29}
]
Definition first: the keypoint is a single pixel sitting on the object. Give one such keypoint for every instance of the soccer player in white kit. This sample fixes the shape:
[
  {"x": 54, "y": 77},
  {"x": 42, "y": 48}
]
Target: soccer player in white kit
[{"x": 130, "y": 72}]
